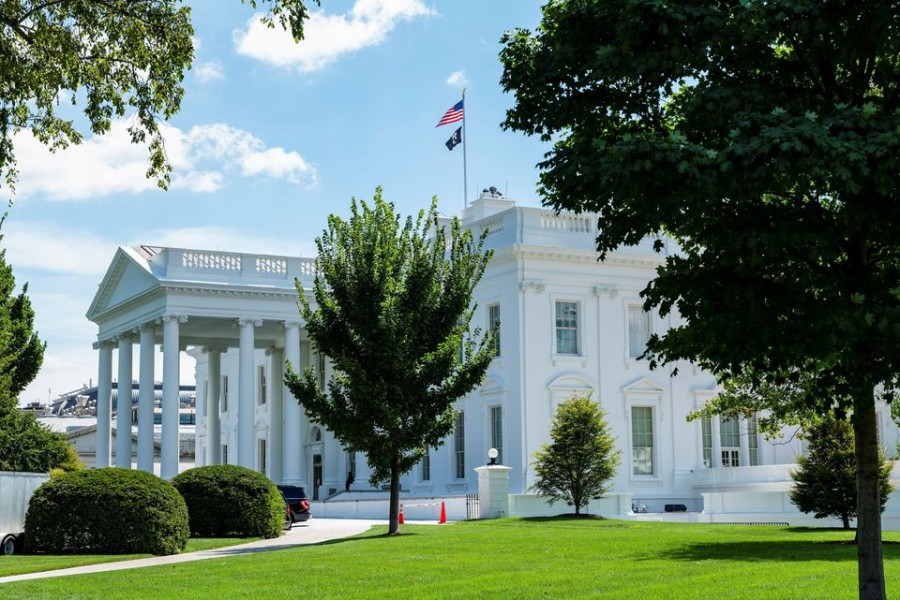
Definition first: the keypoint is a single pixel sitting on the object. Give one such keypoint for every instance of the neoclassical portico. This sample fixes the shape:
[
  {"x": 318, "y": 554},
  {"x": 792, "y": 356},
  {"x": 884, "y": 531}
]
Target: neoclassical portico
[{"x": 208, "y": 303}]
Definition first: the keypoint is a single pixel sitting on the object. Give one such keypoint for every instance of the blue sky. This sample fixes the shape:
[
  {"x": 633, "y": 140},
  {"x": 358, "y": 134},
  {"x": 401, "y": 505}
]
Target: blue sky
[{"x": 272, "y": 138}]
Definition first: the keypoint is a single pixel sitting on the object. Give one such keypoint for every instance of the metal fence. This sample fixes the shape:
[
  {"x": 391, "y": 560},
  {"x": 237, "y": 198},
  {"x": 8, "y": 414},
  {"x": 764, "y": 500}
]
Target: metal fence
[{"x": 471, "y": 507}]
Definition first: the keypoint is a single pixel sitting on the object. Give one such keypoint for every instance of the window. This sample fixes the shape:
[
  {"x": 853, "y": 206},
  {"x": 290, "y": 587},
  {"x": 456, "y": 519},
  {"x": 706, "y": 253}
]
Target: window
[
  {"x": 706, "y": 432},
  {"x": 225, "y": 394},
  {"x": 497, "y": 431},
  {"x": 262, "y": 384},
  {"x": 642, "y": 440},
  {"x": 262, "y": 456},
  {"x": 425, "y": 465},
  {"x": 567, "y": 328},
  {"x": 351, "y": 463},
  {"x": 320, "y": 369},
  {"x": 459, "y": 445},
  {"x": 753, "y": 440},
  {"x": 494, "y": 326},
  {"x": 638, "y": 330},
  {"x": 224, "y": 454},
  {"x": 730, "y": 435}
]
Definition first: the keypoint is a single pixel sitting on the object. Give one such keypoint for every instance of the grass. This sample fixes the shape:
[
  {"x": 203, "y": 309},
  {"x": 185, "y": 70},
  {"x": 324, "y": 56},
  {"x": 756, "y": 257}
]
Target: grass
[
  {"x": 19, "y": 564},
  {"x": 514, "y": 558}
]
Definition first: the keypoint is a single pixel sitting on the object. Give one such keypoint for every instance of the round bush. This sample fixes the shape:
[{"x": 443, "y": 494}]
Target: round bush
[
  {"x": 227, "y": 500},
  {"x": 106, "y": 511}
]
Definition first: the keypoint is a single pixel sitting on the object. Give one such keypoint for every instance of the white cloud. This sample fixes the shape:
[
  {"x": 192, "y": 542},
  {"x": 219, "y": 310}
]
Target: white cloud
[
  {"x": 208, "y": 71},
  {"x": 458, "y": 79},
  {"x": 110, "y": 164},
  {"x": 327, "y": 37},
  {"x": 56, "y": 248}
]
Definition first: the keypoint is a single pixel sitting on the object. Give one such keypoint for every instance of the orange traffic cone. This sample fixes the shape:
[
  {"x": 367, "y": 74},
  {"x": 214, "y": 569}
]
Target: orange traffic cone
[
  {"x": 401, "y": 514},
  {"x": 443, "y": 518}
]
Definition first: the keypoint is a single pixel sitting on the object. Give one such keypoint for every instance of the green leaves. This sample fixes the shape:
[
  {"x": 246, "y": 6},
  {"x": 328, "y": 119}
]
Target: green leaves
[
  {"x": 116, "y": 57},
  {"x": 391, "y": 308},
  {"x": 577, "y": 465}
]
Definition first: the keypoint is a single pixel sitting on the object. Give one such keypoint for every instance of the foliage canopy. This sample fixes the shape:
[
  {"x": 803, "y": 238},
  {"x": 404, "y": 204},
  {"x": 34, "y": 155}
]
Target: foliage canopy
[
  {"x": 764, "y": 137},
  {"x": 577, "y": 465},
  {"x": 114, "y": 56},
  {"x": 392, "y": 312}
]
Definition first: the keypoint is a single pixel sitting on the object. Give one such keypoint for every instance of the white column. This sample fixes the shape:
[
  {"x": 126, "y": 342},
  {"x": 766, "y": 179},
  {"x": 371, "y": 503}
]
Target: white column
[
  {"x": 123, "y": 402},
  {"x": 104, "y": 394},
  {"x": 246, "y": 414},
  {"x": 717, "y": 442},
  {"x": 169, "y": 451},
  {"x": 145, "y": 398},
  {"x": 745, "y": 442},
  {"x": 292, "y": 466},
  {"x": 213, "y": 425},
  {"x": 276, "y": 413}
]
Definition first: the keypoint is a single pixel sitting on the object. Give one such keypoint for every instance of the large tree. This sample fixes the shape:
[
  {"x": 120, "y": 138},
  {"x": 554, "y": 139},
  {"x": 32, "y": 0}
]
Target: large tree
[
  {"x": 763, "y": 137},
  {"x": 114, "y": 56},
  {"x": 393, "y": 303},
  {"x": 581, "y": 459}
]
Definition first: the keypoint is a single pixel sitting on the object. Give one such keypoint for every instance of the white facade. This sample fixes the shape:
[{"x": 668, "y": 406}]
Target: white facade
[{"x": 568, "y": 325}]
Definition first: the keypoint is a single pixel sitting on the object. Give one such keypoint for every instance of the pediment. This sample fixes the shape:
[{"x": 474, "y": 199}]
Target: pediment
[
  {"x": 571, "y": 382},
  {"x": 492, "y": 385},
  {"x": 644, "y": 385},
  {"x": 127, "y": 277}
]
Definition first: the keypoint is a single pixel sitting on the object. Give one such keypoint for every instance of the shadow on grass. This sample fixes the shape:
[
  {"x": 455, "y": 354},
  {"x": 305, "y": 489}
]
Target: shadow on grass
[{"x": 771, "y": 551}]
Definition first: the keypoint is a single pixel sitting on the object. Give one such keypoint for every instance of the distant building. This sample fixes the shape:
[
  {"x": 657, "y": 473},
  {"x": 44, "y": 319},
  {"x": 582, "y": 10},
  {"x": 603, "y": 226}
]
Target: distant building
[
  {"x": 567, "y": 325},
  {"x": 74, "y": 414}
]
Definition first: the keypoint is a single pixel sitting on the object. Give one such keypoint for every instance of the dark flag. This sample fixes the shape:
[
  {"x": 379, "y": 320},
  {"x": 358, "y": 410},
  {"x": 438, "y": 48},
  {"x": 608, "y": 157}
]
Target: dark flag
[{"x": 455, "y": 139}]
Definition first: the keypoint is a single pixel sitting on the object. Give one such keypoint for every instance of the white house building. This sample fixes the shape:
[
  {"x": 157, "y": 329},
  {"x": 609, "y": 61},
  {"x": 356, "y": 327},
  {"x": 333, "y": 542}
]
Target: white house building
[{"x": 568, "y": 324}]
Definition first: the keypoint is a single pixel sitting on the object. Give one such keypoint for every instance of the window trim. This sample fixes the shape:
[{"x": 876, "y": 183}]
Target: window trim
[
  {"x": 579, "y": 325},
  {"x": 629, "y": 304},
  {"x": 459, "y": 445}
]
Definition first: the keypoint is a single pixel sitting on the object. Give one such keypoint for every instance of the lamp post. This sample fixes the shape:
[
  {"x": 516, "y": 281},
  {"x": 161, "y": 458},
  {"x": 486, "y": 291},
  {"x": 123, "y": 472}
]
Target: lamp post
[{"x": 492, "y": 455}]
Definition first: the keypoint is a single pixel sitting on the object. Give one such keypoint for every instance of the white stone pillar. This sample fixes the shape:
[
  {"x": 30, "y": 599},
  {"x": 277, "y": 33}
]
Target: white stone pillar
[
  {"x": 213, "y": 424},
  {"x": 493, "y": 491},
  {"x": 291, "y": 455},
  {"x": 123, "y": 402},
  {"x": 745, "y": 442},
  {"x": 276, "y": 413},
  {"x": 169, "y": 450},
  {"x": 717, "y": 442},
  {"x": 146, "y": 397},
  {"x": 104, "y": 402},
  {"x": 246, "y": 379}
]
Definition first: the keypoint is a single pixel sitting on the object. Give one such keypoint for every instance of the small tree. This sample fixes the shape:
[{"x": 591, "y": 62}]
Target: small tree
[
  {"x": 825, "y": 481},
  {"x": 393, "y": 306},
  {"x": 582, "y": 458}
]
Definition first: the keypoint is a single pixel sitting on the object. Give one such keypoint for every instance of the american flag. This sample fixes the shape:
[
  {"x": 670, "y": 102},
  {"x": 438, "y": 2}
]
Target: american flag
[{"x": 453, "y": 115}]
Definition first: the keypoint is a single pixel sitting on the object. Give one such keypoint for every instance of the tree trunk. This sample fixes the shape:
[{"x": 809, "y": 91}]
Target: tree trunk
[
  {"x": 870, "y": 560},
  {"x": 846, "y": 520},
  {"x": 394, "y": 521}
]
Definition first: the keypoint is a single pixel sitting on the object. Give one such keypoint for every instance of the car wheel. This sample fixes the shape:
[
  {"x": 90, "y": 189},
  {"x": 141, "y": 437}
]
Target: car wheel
[{"x": 8, "y": 548}]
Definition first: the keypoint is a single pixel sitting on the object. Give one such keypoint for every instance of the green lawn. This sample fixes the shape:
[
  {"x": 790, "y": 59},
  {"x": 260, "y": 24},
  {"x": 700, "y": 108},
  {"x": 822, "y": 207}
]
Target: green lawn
[
  {"x": 514, "y": 558},
  {"x": 20, "y": 564}
]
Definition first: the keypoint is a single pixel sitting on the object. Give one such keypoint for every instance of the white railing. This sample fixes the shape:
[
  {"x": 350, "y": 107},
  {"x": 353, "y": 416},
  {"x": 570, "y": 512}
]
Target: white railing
[
  {"x": 564, "y": 222},
  {"x": 227, "y": 265}
]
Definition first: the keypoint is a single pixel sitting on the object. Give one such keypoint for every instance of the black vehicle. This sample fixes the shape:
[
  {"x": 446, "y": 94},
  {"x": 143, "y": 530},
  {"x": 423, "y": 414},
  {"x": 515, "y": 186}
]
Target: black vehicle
[
  {"x": 288, "y": 516},
  {"x": 297, "y": 500}
]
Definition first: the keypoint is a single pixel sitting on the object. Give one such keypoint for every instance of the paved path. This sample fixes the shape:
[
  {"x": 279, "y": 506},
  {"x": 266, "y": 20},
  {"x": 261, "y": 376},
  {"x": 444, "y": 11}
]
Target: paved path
[{"x": 312, "y": 532}]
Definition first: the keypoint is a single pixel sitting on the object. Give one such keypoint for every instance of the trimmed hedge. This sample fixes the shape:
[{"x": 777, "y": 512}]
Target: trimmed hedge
[
  {"x": 106, "y": 511},
  {"x": 228, "y": 500}
]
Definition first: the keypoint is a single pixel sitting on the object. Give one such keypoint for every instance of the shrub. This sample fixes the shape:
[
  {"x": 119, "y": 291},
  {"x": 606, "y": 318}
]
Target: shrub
[
  {"x": 106, "y": 511},
  {"x": 577, "y": 465},
  {"x": 227, "y": 500}
]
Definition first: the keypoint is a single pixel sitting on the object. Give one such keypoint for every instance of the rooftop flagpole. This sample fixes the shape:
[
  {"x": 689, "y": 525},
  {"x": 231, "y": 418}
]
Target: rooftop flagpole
[{"x": 465, "y": 176}]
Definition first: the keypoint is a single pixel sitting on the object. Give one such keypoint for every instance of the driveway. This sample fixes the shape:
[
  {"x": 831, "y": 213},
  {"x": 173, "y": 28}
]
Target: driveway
[{"x": 311, "y": 532}]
